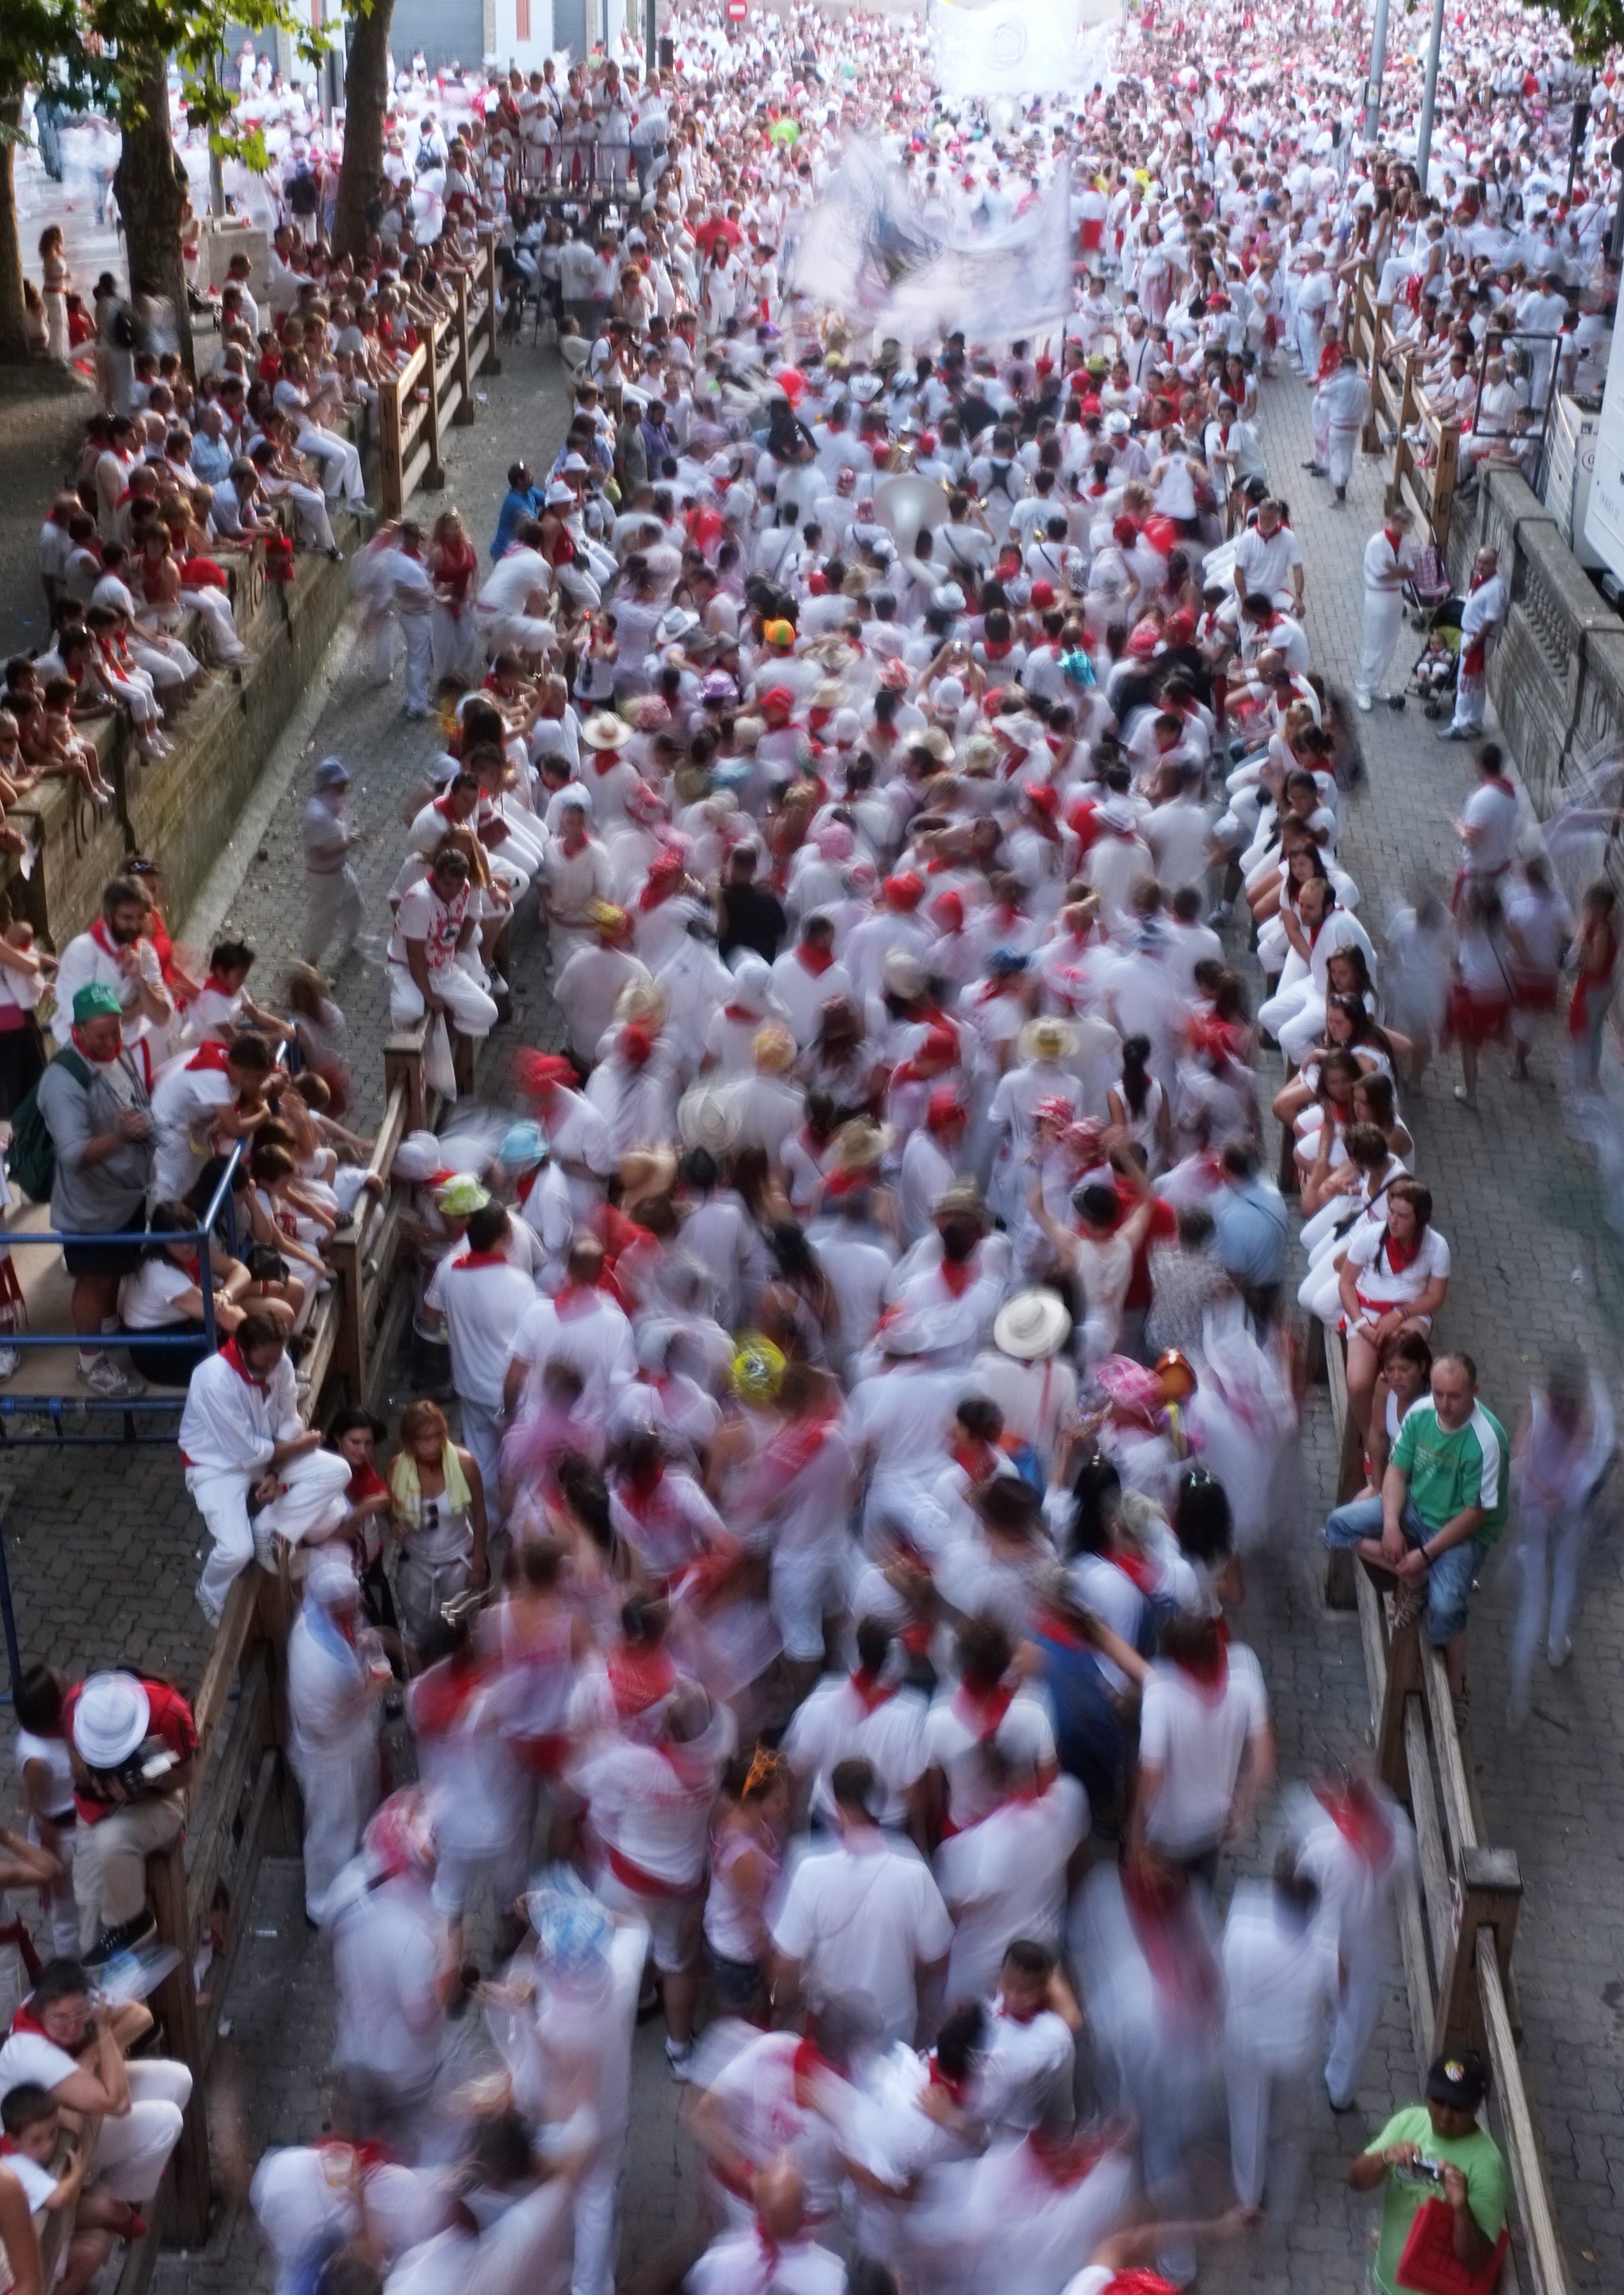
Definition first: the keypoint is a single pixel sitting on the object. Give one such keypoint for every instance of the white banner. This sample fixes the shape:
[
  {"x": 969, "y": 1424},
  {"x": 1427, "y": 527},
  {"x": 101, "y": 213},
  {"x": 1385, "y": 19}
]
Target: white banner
[
  {"x": 1006, "y": 47},
  {"x": 864, "y": 253}
]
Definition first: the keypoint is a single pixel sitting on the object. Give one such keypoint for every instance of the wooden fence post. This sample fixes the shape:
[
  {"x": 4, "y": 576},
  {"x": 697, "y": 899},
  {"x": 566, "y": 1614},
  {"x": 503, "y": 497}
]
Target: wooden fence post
[
  {"x": 1443, "y": 482},
  {"x": 388, "y": 447},
  {"x": 344, "y": 1252},
  {"x": 402, "y": 1068},
  {"x": 1403, "y": 1682},
  {"x": 434, "y": 334},
  {"x": 175, "y": 2005},
  {"x": 465, "y": 415},
  {"x": 1490, "y": 1893},
  {"x": 493, "y": 357}
]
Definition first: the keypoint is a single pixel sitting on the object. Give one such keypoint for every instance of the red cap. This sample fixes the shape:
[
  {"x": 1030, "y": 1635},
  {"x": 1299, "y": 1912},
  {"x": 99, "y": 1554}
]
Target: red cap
[
  {"x": 1181, "y": 627},
  {"x": 948, "y": 910},
  {"x": 943, "y": 1108},
  {"x": 636, "y": 1044},
  {"x": 537, "y": 1071},
  {"x": 939, "y": 1044},
  {"x": 1144, "y": 641},
  {"x": 1042, "y": 595},
  {"x": 1044, "y": 795},
  {"x": 779, "y": 696},
  {"x": 1124, "y": 533},
  {"x": 818, "y": 584},
  {"x": 904, "y": 892}
]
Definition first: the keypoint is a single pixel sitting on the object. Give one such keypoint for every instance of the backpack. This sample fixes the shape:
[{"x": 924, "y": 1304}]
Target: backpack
[{"x": 30, "y": 1160}]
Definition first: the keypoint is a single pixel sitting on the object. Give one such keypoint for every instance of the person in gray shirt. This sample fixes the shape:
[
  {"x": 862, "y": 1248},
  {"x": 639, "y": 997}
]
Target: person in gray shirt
[{"x": 94, "y": 1100}]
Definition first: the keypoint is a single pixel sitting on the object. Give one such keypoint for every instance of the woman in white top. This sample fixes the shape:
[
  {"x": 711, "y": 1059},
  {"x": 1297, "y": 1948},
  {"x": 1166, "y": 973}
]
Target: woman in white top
[
  {"x": 746, "y": 1856},
  {"x": 1394, "y": 1277},
  {"x": 1139, "y": 1106}
]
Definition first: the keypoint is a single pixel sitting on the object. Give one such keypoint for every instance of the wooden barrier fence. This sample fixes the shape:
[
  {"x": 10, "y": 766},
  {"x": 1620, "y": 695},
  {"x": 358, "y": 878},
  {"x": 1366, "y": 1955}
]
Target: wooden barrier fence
[
  {"x": 1458, "y": 1921},
  {"x": 1423, "y": 477},
  {"x": 434, "y": 388}
]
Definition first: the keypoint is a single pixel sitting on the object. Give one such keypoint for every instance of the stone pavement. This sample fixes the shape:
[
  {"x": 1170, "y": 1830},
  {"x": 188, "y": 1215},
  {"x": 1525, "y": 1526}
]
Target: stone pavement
[{"x": 1519, "y": 1203}]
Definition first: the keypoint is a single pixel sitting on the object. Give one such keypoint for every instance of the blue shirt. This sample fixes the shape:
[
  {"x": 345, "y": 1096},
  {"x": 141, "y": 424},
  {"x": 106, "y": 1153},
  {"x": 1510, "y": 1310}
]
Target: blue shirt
[
  {"x": 516, "y": 503},
  {"x": 211, "y": 458},
  {"x": 1250, "y": 1218}
]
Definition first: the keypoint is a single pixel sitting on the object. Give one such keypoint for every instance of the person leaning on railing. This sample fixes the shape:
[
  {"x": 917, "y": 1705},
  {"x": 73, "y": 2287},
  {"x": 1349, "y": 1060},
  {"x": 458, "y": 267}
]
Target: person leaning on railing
[{"x": 132, "y": 1742}]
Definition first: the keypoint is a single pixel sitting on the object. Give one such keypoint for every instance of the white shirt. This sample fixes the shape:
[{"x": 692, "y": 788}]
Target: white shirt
[
  {"x": 231, "y": 1424},
  {"x": 860, "y": 1919},
  {"x": 955, "y": 1731},
  {"x": 484, "y": 1302},
  {"x": 1280, "y": 1978},
  {"x": 834, "y": 1724},
  {"x": 1198, "y": 1743},
  {"x": 1005, "y": 1877}
]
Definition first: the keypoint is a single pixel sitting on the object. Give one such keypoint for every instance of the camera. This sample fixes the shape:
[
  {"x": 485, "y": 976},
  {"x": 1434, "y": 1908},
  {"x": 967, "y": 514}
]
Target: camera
[{"x": 146, "y": 1769}]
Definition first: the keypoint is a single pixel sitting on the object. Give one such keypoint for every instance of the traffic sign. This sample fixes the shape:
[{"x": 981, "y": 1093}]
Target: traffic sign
[{"x": 737, "y": 11}]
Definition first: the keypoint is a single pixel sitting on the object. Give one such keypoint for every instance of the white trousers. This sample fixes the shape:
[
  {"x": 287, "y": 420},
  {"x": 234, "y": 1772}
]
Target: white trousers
[
  {"x": 131, "y": 2153},
  {"x": 338, "y": 1782},
  {"x": 332, "y": 911},
  {"x": 482, "y": 1430},
  {"x": 1383, "y": 620},
  {"x": 597, "y": 2200},
  {"x": 1357, "y": 2006},
  {"x": 214, "y": 608},
  {"x": 472, "y": 1011},
  {"x": 1298, "y": 1036},
  {"x": 1342, "y": 440},
  {"x": 454, "y": 643},
  {"x": 310, "y": 506},
  {"x": 340, "y": 463},
  {"x": 1269, "y": 2125},
  {"x": 222, "y": 1501},
  {"x": 1550, "y": 1549},
  {"x": 415, "y": 628},
  {"x": 1276, "y": 1010},
  {"x": 1470, "y": 698}
]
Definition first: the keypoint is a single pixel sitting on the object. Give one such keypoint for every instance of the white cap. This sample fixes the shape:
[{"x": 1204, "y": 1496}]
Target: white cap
[
  {"x": 111, "y": 1717},
  {"x": 330, "y": 1579}
]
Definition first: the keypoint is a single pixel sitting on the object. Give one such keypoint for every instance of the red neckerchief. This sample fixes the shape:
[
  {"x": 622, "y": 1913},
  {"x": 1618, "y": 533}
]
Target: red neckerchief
[
  {"x": 1176, "y": 1953},
  {"x": 797, "y": 1443},
  {"x": 481, "y": 1259},
  {"x": 985, "y": 1710},
  {"x": 99, "y": 934},
  {"x": 814, "y": 960},
  {"x": 1361, "y": 1821},
  {"x": 1135, "y": 1567},
  {"x": 958, "y": 1274},
  {"x": 871, "y": 1694},
  {"x": 220, "y": 987},
  {"x": 83, "y": 1048},
  {"x": 24, "y": 2020},
  {"x": 1209, "y": 1677},
  {"x": 208, "y": 1059},
  {"x": 1397, "y": 540},
  {"x": 958, "y": 2089},
  {"x": 1398, "y": 1256},
  {"x": 573, "y": 1299},
  {"x": 1063, "y": 2159},
  {"x": 604, "y": 761},
  {"x": 231, "y": 1353},
  {"x": 440, "y": 1697},
  {"x": 977, "y": 1458},
  {"x": 639, "y": 1678},
  {"x": 740, "y": 1012}
]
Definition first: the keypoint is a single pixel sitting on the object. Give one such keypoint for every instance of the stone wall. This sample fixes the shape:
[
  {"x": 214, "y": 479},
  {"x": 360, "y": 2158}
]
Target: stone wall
[
  {"x": 1557, "y": 675},
  {"x": 181, "y": 809}
]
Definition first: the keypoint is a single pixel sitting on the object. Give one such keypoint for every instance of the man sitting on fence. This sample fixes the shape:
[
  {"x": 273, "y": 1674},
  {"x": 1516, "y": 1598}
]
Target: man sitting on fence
[
  {"x": 1442, "y": 1504},
  {"x": 131, "y": 1742},
  {"x": 240, "y": 1428}
]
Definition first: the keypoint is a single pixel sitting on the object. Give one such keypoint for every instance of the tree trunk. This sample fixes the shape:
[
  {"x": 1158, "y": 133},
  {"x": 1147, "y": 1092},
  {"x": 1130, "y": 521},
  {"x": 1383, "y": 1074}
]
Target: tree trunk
[
  {"x": 366, "y": 101},
  {"x": 14, "y": 334},
  {"x": 151, "y": 189}
]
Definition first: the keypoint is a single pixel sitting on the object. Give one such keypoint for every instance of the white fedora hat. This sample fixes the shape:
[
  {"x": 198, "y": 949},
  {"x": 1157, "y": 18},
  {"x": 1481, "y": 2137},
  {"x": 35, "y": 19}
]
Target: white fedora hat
[{"x": 1031, "y": 1325}]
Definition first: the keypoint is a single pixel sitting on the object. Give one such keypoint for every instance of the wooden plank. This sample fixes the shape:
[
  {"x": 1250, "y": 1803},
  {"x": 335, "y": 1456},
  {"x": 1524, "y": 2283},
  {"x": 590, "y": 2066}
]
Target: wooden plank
[
  {"x": 1437, "y": 1891},
  {"x": 1456, "y": 1797},
  {"x": 206, "y": 1843},
  {"x": 175, "y": 2006},
  {"x": 220, "y": 1674},
  {"x": 1547, "y": 2265},
  {"x": 250, "y": 1853}
]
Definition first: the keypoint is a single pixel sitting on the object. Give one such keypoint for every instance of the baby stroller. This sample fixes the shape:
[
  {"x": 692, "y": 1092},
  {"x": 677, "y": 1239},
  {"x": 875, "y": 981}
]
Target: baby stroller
[
  {"x": 1436, "y": 670},
  {"x": 1427, "y": 585}
]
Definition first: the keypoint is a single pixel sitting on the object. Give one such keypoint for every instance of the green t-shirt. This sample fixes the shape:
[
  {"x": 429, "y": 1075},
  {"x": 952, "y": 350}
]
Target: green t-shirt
[
  {"x": 1479, "y": 2159},
  {"x": 1448, "y": 1473}
]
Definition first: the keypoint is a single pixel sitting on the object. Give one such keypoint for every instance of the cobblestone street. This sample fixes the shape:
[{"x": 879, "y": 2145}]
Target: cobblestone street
[{"x": 102, "y": 1545}]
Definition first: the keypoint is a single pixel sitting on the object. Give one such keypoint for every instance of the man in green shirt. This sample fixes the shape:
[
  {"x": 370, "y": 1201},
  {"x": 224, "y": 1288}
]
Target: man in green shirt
[
  {"x": 1437, "y": 2151},
  {"x": 1442, "y": 1506}
]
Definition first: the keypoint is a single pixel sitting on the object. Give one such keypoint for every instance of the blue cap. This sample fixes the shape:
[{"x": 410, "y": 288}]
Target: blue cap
[
  {"x": 522, "y": 1145},
  {"x": 333, "y": 772}
]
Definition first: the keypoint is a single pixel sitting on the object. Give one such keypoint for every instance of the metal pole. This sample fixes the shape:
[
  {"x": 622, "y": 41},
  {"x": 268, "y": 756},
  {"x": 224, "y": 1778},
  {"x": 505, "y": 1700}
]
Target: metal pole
[
  {"x": 1576, "y": 141},
  {"x": 13, "y": 1655},
  {"x": 1378, "y": 65},
  {"x": 651, "y": 41},
  {"x": 1423, "y": 142}
]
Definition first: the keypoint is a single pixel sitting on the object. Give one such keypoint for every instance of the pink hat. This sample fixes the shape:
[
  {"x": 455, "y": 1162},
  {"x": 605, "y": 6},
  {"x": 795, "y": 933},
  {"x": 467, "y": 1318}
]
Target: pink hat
[
  {"x": 1127, "y": 1386},
  {"x": 834, "y": 841}
]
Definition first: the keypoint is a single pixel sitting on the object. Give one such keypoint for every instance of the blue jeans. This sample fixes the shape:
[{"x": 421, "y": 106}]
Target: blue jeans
[{"x": 1449, "y": 1581}]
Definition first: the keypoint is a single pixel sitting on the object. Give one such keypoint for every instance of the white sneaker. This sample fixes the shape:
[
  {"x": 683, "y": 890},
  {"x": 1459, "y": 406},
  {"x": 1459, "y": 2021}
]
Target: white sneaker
[
  {"x": 10, "y": 1362},
  {"x": 680, "y": 2060},
  {"x": 1557, "y": 1655},
  {"x": 1362, "y": 700},
  {"x": 103, "y": 1376}
]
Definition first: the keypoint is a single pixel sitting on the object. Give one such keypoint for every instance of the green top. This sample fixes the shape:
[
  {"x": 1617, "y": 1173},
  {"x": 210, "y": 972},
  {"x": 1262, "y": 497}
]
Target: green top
[
  {"x": 1448, "y": 1473},
  {"x": 1479, "y": 2159}
]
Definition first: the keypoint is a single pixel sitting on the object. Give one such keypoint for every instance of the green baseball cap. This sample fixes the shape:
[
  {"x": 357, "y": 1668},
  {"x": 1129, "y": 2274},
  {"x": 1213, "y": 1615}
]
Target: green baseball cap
[{"x": 96, "y": 997}]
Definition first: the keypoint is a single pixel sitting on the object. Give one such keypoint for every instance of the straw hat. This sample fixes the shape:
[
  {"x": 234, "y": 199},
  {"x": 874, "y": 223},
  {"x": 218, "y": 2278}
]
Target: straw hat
[
  {"x": 642, "y": 1002},
  {"x": 708, "y": 1117},
  {"x": 1048, "y": 1039},
  {"x": 1031, "y": 1326},
  {"x": 862, "y": 1145},
  {"x": 774, "y": 1049},
  {"x": 604, "y": 731}
]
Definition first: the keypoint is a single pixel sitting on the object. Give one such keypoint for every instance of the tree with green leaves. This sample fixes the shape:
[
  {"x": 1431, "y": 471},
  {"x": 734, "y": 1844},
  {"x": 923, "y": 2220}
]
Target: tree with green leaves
[
  {"x": 1594, "y": 27},
  {"x": 116, "y": 56},
  {"x": 366, "y": 103}
]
